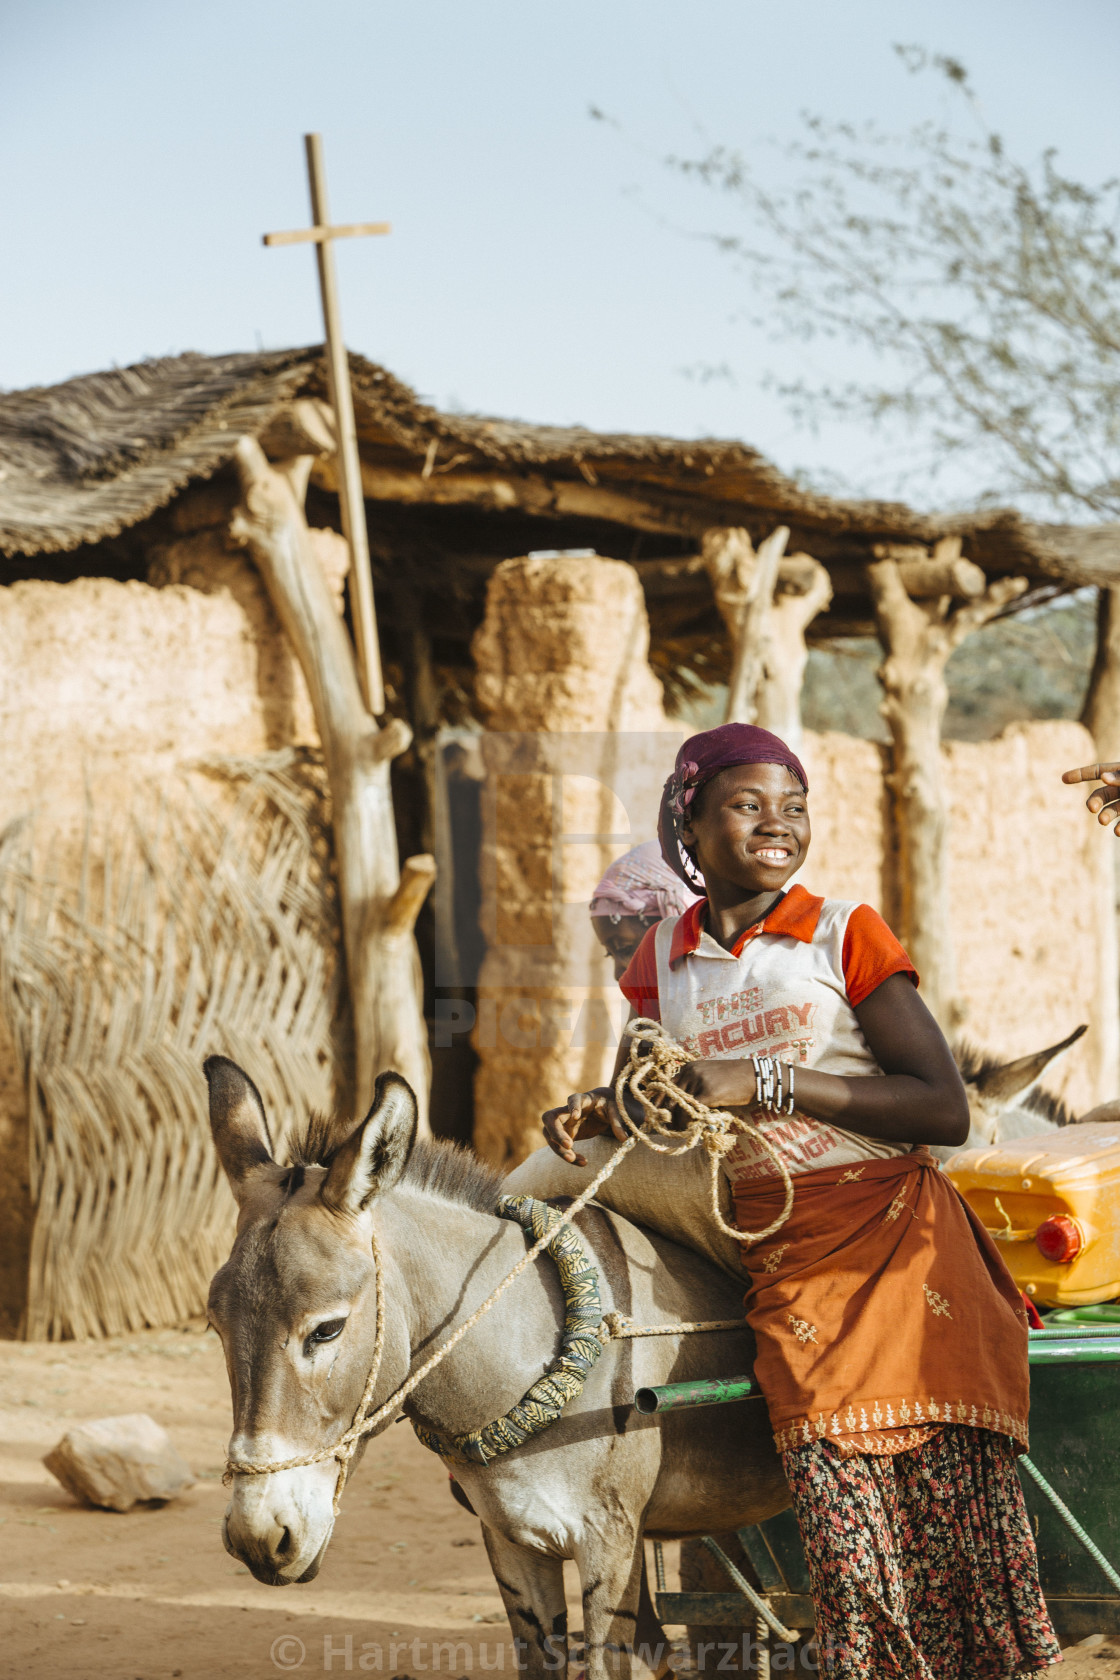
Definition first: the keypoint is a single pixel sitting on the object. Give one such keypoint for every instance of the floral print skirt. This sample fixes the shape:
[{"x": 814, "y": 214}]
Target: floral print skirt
[{"x": 922, "y": 1563}]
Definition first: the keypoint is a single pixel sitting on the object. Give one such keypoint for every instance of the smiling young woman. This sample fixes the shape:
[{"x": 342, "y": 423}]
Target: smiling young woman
[{"x": 892, "y": 1346}]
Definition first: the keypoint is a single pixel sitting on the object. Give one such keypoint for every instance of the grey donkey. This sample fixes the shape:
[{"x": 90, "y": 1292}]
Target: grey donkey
[
  {"x": 1006, "y": 1101},
  {"x": 295, "y": 1307}
]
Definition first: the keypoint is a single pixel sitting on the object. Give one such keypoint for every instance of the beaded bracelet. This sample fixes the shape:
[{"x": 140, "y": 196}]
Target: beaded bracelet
[{"x": 773, "y": 1084}]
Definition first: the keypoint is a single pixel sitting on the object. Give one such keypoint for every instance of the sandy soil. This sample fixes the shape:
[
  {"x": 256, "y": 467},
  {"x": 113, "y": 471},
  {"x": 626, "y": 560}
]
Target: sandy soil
[
  {"x": 93, "y": 1595},
  {"x": 152, "y": 1593}
]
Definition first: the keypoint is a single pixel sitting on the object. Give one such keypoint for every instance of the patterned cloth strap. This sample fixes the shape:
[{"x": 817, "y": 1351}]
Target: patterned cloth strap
[{"x": 580, "y": 1345}]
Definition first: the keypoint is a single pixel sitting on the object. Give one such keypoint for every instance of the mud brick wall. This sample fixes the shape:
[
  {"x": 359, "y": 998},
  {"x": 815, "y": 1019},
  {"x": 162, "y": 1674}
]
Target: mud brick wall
[
  {"x": 108, "y": 686},
  {"x": 577, "y": 749},
  {"x": 562, "y": 660}
]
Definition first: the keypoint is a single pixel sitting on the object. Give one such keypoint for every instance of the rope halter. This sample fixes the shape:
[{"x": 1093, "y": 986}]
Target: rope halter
[{"x": 347, "y": 1445}]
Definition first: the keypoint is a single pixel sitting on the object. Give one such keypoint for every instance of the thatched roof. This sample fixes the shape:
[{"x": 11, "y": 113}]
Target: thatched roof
[{"x": 87, "y": 459}]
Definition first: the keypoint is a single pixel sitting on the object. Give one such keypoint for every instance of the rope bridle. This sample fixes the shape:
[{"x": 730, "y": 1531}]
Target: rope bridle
[{"x": 649, "y": 1077}]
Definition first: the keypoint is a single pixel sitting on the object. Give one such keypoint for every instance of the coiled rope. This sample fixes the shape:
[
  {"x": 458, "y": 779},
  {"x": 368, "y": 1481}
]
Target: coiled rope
[{"x": 648, "y": 1077}]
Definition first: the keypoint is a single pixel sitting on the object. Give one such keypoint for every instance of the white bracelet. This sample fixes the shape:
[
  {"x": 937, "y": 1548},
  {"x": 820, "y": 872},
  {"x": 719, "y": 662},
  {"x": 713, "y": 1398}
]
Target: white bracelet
[{"x": 773, "y": 1084}]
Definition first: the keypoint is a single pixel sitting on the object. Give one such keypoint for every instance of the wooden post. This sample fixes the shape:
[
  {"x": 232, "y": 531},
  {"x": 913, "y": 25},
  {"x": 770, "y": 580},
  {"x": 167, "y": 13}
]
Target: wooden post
[
  {"x": 767, "y": 603},
  {"x": 1101, "y": 717},
  {"x": 806, "y": 592},
  {"x": 421, "y": 690},
  {"x": 379, "y": 902},
  {"x": 918, "y": 637},
  {"x": 1101, "y": 712},
  {"x": 351, "y": 501},
  {"x": 754, "y": 618}
]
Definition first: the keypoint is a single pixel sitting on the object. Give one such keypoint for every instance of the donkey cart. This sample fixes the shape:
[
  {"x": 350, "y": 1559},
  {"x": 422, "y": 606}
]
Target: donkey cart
[{"x": 1071, "y": 1482}]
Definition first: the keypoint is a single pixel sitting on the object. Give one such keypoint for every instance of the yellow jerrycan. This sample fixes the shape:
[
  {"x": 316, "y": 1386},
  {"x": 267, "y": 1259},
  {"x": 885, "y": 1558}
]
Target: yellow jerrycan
[{"x": 1053, "y": 1205}]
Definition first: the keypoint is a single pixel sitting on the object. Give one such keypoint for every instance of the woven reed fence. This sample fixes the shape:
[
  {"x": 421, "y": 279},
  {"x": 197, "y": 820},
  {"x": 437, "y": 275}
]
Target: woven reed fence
[{"x": 202, "y": 921}]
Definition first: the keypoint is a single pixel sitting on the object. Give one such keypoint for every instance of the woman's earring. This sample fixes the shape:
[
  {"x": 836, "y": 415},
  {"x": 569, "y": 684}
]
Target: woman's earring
[{"x": 689, "y": 862}]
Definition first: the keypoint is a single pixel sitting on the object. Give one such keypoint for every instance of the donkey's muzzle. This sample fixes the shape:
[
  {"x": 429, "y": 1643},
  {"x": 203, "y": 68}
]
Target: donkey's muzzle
[
  {"x": 259, "y": 1558},
  {"x": 269, "y": 1549}
]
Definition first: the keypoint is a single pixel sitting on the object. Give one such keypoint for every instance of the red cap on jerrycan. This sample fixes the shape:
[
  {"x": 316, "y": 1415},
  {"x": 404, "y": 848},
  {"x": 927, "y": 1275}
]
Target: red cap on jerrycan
[{"x": 1059, "y": 1238}]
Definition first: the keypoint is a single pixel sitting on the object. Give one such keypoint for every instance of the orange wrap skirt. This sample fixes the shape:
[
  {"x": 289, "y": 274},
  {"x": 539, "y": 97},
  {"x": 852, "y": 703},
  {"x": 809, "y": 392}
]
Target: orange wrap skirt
[{"x": 882, "y": 1310}]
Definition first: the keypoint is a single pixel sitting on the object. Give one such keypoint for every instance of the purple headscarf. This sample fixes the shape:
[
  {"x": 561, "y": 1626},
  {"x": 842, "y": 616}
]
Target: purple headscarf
[
  {"x": 640, "y": 883},
  {"x": 698, "y": 760}
]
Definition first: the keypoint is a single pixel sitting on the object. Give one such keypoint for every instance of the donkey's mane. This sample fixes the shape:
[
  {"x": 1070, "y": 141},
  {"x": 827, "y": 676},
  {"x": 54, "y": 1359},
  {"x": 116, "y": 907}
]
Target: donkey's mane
[
  {"x": 319, "y": 1141},
  {"x": 975, "y": 1064},
  {"x": 441, "y": 1168},
  {"x": 436, "y": 1166}
]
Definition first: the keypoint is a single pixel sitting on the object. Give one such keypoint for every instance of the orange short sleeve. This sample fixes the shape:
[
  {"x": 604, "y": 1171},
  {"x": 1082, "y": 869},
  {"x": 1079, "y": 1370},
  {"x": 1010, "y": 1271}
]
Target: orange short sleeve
[
  {"x": 639, "y": 984},
  {"x": 871, "y": 955}
]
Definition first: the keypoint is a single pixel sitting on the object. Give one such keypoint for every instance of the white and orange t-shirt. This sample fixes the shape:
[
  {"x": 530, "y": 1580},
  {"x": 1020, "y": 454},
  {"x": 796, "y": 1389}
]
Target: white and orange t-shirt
[{"x": 789, "y": 988}]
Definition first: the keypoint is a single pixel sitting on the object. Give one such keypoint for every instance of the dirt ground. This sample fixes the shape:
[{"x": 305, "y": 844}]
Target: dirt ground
[
  {"x": 152, "y": 1595},
  {"x": 93, "y": 1595}
]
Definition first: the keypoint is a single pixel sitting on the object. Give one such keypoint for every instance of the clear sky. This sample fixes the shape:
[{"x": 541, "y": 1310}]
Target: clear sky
[{"x": 541, "y": 264}]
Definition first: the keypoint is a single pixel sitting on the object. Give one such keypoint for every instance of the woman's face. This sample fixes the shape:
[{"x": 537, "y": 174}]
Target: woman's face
[
  {"x": 620, "y": 939},
  {"x": 748, "y": 828}
]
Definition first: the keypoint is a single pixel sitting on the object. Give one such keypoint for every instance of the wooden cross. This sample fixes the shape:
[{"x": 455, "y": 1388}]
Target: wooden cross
[{"x": 351, "y": 500}]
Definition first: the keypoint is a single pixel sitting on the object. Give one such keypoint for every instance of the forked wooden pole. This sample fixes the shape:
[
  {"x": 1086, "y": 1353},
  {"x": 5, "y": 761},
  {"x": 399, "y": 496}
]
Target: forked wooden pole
[
  {"x": 744, "y": 583},
  {"x": 378, "y": 902},
  {"x": 919, "y": 631}
]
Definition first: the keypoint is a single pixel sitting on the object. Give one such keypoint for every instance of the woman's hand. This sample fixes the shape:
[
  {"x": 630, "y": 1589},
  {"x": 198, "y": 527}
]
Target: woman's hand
[
  {"x": 585, "y": 1114},
  {"x": 720, "y": 1084},
  {"x": 1104, "y": 802}
]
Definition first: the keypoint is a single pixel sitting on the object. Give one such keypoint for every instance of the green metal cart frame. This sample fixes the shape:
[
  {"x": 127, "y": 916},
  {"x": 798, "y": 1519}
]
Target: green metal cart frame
[{"x": 1071, "y": 1482}]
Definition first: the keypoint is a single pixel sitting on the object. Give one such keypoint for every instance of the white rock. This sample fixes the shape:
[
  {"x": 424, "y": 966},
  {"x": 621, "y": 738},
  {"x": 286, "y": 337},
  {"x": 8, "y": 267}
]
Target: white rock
[{"x": 118, "y": 1462}]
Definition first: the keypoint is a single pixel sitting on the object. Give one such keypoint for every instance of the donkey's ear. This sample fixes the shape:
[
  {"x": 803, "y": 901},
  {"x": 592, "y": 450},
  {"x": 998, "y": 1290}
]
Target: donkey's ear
[
  {"x": 375, "y": 1154},
  {"x": 1002, "y": 1084},
  {"x": 237, "y": 1121}
]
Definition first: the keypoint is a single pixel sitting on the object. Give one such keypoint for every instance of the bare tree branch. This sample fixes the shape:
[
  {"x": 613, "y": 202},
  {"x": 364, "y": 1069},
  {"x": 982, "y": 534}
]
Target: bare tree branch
[{"x": 987, "y": 290}]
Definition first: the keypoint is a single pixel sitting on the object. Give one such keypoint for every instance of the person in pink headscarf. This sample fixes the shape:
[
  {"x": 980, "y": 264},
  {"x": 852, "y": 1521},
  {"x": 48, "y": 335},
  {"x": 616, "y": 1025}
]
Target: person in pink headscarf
[{"x": 637, "y": 890}]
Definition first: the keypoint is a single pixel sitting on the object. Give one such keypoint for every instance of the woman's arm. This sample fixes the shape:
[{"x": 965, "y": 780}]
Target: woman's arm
[{"x": 920, "y": 1099}]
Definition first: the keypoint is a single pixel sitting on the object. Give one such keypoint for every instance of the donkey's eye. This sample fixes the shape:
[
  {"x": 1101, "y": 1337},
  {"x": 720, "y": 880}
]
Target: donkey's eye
[{"x": 325, "y": 1332}]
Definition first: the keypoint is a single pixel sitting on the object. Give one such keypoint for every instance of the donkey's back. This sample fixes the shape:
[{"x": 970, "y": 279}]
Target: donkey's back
[{"x": 680, "y": 1473}]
